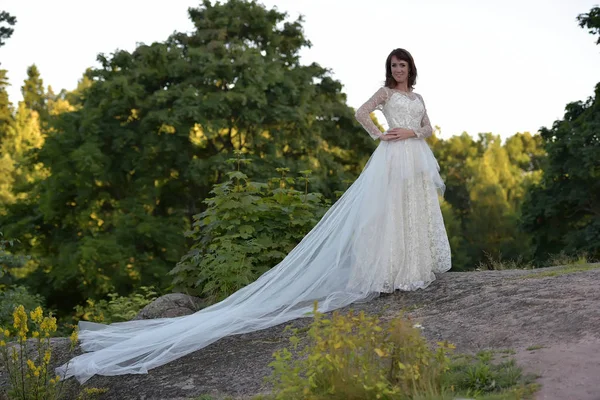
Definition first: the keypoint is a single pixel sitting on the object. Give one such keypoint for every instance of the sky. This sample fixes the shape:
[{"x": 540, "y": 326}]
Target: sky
[{"x": 483, "y": 66}]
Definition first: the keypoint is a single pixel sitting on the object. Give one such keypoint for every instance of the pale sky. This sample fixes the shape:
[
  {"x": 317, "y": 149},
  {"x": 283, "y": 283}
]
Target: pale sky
[{"x": 484, "y": 66}]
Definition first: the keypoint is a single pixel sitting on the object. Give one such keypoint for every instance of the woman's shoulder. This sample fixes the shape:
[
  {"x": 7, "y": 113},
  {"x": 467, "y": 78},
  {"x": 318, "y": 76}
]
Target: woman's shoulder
[{"x": 418, "y": 95}]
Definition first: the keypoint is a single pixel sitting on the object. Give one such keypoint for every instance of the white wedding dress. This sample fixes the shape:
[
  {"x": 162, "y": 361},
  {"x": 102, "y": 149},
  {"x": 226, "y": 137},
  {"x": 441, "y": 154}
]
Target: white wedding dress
[{"x": 385, "y": 233}]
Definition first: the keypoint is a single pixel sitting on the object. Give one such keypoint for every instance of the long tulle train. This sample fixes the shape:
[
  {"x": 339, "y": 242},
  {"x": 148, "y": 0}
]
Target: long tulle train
[{"x": 385, "y": 233}]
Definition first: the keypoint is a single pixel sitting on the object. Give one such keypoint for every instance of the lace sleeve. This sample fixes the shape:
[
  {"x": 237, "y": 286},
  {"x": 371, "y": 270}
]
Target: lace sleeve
[
  {"x": 363, "y": 114},
  {"x": 425, "y": 130}
]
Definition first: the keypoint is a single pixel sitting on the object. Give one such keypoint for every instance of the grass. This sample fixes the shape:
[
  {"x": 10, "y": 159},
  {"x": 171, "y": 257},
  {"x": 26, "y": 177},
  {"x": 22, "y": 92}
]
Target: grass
[
  {"x": 567, "y": 269},
  {"x": 535, "y": 347},
  {"x": 481, "y": 376},
  {"x": 498, "y": 264},
  {"x": 562, "y": 259}
]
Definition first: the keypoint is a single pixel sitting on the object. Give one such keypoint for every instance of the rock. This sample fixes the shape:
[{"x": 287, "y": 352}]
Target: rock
[{"x": 169, "y": 306}]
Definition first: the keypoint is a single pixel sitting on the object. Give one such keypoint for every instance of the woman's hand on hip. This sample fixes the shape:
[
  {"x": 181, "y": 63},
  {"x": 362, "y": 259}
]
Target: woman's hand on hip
[{"x": 400, "y": 134}]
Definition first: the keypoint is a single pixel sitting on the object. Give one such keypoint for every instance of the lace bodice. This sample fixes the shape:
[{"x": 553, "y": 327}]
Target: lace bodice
[{"x": 401, "y": 110}]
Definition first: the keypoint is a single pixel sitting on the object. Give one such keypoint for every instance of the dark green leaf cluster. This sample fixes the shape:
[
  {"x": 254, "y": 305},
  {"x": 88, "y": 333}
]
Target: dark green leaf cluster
[{"x": 563, "y": 211}]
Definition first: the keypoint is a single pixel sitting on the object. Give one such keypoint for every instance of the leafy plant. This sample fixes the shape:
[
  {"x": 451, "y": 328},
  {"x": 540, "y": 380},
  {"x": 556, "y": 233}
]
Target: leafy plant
[
  {"x": 498, "y": 264},
  {"x": 26, "y": 354},
  {"x": 7, "y": 259},
  {"x": 562, "y": 258},
  {"x": 117, "y": 309},
  {"x": 12, "y": 297},
  {"x": 247, "y": 229},
  {"x": 30, "y": 378},
  {"x": 479, "y": 376},
  {"x": 356, "y": 356}
]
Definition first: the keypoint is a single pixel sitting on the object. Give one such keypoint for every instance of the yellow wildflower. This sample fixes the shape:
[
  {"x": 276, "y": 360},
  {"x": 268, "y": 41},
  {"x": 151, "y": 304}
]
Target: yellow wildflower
[
  {"x": 2, "y": 343},
  {"x": 74, "y": 337},
  {"x": 47, "y": 356},
  {"x": 6, "y": 333},
  {"x": 48, "y": 324},
  {"x": 36, "y": 373},
  {"x": 37, "y": 315},
  {"x": 31, "y": 365},
  {"x": 20, "y": 320},
  {"x": 35, "y": 334}
]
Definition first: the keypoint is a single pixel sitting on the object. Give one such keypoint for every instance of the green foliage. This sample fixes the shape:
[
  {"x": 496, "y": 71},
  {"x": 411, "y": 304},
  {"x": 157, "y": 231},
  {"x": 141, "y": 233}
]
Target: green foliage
[
  {"x": 9, "y": 260},
  {"x": 6, "y": 31},
  {"x": 563, "y": 270},
  {"x": 21, "y": 170},
  {"x": 591, "y": 21},
  {"x": 355, "y": 356},
  {"x": 494, "y": 263},
  {"x": 247, "y": 229},
  {"x": 13, "y": 296},
  {"x": 486, "y": 182},
  {"x": 6, "y": 121},
  {"x": 117, "y": 308},
  {"x": 562, "y": 258},
  {"x": 481, "y": 375},
  {"x": 562, "y": 213},
  {"x": 27, "y": 361},
  {"x": 133, "y": 156},
  {"x": 30, "y": 375},
  {"x": 34, "y": 96}
]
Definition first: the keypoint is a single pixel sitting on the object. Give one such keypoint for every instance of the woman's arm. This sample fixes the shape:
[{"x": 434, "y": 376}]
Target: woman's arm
[
  {"x": 425, "y": 130},
  {"x": 363, "y": 114}
]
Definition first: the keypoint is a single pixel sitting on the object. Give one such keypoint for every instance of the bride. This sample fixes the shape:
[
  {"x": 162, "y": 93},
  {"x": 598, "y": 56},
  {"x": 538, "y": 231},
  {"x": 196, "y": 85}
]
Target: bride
[{"x": 385, "y": 233}]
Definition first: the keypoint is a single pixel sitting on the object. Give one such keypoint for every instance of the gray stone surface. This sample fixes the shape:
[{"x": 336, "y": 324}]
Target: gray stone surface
[{"x": 170, "y": 306}]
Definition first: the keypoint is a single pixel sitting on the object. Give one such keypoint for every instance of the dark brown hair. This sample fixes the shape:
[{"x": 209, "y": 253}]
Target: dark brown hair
[{"x": 404, "y": 55}]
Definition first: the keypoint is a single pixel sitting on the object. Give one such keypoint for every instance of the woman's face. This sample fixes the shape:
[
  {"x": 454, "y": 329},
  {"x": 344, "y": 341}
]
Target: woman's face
[{"x": 400, "y": 70}]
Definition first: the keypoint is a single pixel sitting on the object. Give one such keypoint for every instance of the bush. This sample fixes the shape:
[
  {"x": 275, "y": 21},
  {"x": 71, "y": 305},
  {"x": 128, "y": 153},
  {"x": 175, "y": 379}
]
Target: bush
[
  {"x": 14, "y": 296},
  {"x": 355, "y": 356},
  {"x": 562, "y": 258},
  {"x": 7, "y": 259},
  {"x": 27, "y": 358},
  {"x": 247, "y": 229},
  {"x": 117, "y": 309},
  {"x": 30, "y": 377}
]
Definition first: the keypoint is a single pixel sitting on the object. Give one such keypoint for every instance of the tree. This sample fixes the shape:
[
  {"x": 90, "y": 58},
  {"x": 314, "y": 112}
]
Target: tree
[
  {"x": 456, "y": 157},
  {"x": 132, "y": 163},
  {"x": 33, "y": 92},
  {"x": 591, "y": 21},
  {"x": 563, "y": 212},
  {"x": 6, "y": 31},
  {"x": 492, "y": 226},
  {"x": 6, "y": 111},
  {"x": 6, "y": 164},
  {"x": 6, "y": 117}
]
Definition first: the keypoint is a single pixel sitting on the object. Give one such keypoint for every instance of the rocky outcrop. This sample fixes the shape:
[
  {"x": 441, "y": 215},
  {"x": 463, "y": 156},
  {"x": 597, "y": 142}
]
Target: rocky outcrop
[
  {"x": 558, "y": 309},
  {"x": 170, "y": 305}
]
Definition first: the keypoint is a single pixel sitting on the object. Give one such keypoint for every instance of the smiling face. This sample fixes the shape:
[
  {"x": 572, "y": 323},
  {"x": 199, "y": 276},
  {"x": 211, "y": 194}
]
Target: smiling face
[{"x": 400, "y": 70}]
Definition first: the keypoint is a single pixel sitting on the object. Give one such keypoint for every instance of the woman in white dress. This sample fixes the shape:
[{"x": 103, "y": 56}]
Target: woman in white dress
[{"x": 385, "y": 233}]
